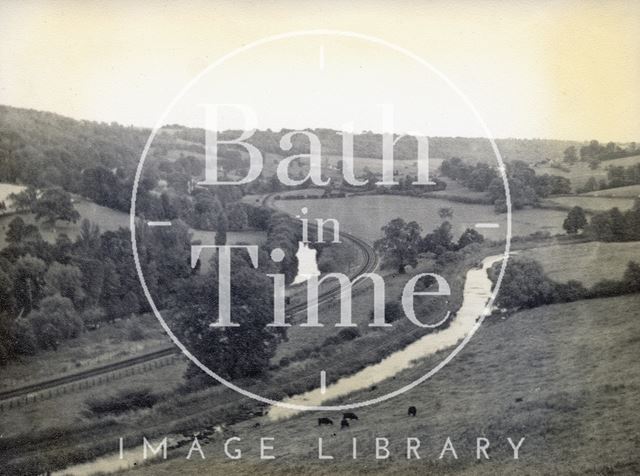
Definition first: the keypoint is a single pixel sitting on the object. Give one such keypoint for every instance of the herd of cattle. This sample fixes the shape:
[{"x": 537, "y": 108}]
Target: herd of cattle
[{"x": 344, "y": 423}]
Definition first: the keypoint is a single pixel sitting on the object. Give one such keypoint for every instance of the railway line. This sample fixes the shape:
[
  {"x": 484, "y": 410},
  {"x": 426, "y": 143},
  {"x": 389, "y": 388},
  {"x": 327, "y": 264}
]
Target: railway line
[{"x": 46, "y": 387}]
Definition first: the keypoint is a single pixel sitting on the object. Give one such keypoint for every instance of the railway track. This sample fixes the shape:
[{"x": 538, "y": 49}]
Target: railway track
[{"x": 369, "y": 263}]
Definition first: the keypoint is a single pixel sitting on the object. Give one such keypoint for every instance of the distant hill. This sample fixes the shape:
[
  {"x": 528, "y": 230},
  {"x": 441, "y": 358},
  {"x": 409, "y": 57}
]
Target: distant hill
[{"x": 43, "y": 148}]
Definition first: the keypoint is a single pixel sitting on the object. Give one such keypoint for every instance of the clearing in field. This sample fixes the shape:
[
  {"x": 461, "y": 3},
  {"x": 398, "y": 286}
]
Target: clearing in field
[
  {"x": 585, "y": 262},
  {"x": 364, "y": 216}
]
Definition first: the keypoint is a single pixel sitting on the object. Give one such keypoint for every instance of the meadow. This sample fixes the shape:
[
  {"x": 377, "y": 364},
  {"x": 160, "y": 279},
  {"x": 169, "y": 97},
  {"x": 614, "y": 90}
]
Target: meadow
[
  {"x": 93, "y": 348},
  {"x": 109, "y": 219},
  {"x": 362, "y": 164},
  {"x": 591, "y": 203},
  {"x": 564, "y": 377},
  {"x": 586, "y": 262},
  {"x": 364, "y": 216},
  {"x": 630, "y": 191},
  {"x": 580, "y": 172},
  {"x": 7, "y": 189}
]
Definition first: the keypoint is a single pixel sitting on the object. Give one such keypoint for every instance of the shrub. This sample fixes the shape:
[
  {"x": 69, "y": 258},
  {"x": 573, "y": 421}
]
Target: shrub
[
  {"x": 345, "y": 335},
  {"x": 392, "y": 311},
  {"x": 135, "y": 331},
  {"x": 123, "y": 401},
  {"x": 25, "y": 339}
]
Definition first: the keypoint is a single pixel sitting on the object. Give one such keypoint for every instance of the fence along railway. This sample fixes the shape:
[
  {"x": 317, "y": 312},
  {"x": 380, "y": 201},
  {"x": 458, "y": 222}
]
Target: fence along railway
[{"x": 166, "y": 356}]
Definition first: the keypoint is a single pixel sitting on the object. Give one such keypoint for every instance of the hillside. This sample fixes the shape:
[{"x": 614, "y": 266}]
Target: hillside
[
  {"x": 44, "y": 148},
  {"x": 570, "y": 388}
]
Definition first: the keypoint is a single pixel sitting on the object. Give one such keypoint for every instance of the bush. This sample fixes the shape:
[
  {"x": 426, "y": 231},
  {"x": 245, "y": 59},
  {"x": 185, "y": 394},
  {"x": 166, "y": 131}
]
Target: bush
[
  {"x": 25, "y": 339},
  {"x": 123, "y": 401},
  {"x": 392, "y": 311},
  {"x": 345, "y": 335},
  {"x": 135, "y": 331}
]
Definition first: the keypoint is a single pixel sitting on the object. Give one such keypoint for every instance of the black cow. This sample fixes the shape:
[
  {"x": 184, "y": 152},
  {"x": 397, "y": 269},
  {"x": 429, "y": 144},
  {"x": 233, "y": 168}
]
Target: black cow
[
  {"x": 325, "y": 421},
  {"x": 344, "y": 424},
  {"x": 349, "y": 416},
  {"x": 412, "y": 411}
]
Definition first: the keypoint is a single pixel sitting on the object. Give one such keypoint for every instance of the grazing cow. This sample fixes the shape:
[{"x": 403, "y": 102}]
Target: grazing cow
[
  {"x": 325, "y": 421},
  {"x": 518, "y": 400},
  {"x": 344, "y": 424},
  {"x": 256, "y": 425},
  {"x": 412, "y": 411},
  {"x": 349, "y": 416}
]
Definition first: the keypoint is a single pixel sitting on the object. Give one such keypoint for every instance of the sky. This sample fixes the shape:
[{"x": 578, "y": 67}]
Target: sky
[{"x": 560, "y": 70}]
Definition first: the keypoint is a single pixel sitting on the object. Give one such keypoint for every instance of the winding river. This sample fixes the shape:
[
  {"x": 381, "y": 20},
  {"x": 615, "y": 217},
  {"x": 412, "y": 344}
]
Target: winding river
[{"x": 477, "y": 291}]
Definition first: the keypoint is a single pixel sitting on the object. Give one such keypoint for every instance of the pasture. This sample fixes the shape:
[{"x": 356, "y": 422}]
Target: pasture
[
  {"x": 93, "y": 348},
  {"x": 7, "y": 189},
  {"x": 362, "y": 164},
  {"x": 630, "y": 191},
  {"x": 585, "y": 262},
  {"x": 564, "y": 377},
  {"x": 110, "y": 220},
  {"x": 580, "y": 172},
  {"x": 591, "y": 203},
  {"x": 364, "y": 216}
]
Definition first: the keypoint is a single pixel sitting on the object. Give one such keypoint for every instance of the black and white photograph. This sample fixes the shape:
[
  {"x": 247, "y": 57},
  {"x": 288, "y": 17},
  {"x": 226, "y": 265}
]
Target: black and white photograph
[{"x": 315, "y": 238}]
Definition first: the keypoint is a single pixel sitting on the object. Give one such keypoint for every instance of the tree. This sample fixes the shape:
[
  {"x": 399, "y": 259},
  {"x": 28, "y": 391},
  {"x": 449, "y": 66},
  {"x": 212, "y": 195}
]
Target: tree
[
  {"x": 571, "y": 155},
  {"x": 468, "y": 237},
  {"x": 65, "y": 280},
  {"x": 7, "y": 301},
  {"x": 55, "y": 204},
  {"x": 56, "y": 319},
  {"x": 400, "y": 243},
  {"x": 631, "y": 277},
  {"x": 25, "y": 200},
  {"x": 445, "y": 212},
  {"x": 591, "y": 185},
  {"x": 576, "y": 220},
  {"x": 524, "y": 284},
  {"x": 232, "y": 352},
  {"x": 19, "y": 231},
  {"x": 28, "y": 282},
  {"x": 88, "y": 240},
  {"x": 439, "y": 241},
  {"x": 221, "y": 229},
  {"x": 206, "y": 209},
  {"x": 237, "y": 217}
]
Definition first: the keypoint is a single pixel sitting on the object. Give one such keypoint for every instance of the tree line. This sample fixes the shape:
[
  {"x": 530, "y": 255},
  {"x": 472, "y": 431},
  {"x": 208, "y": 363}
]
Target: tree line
[
  {"x": 526, "y": 188},
  {"x": 402, "y": 242},
  {"x": 525, "y": 285}
]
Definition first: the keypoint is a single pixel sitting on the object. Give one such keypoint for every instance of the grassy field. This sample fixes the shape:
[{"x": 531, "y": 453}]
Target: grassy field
[
  {"x": 585, "y": 262},
  {"x": 404, "y": 167},
  {"x": 110, "y": 220},
  {"x": 591, "y": 203},
  {"x": 630, "y": 191},
  {"x": 364, "y": 216},
  {"x": 7, "y": 189},
  {"x": 580, "y": 172},
  {"x": 93, "y": 348},
  {"x": 69, "y": 410},
  {"x": 564, "y": 377}
]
